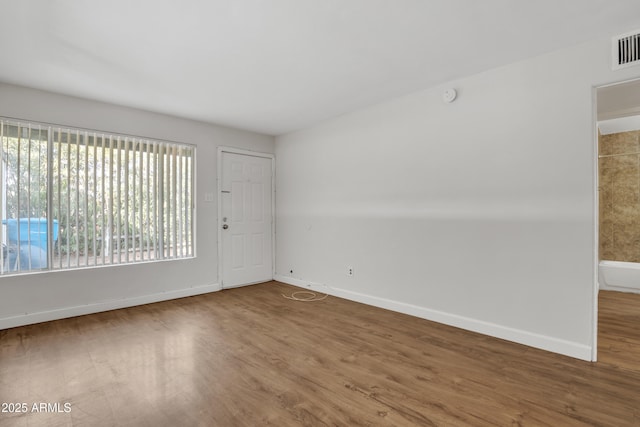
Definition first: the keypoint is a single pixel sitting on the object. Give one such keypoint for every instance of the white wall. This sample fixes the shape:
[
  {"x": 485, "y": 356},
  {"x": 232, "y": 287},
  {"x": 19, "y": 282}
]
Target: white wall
[
  {"x": 43, "y": 296},
  {"x": 478, "y": 214}
]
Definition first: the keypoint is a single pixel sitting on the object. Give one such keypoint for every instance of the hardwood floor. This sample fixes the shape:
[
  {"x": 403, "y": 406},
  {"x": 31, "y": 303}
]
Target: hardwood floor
[
  {"x": 619, "y": 329},
  {"x": 249, "y": 357}
]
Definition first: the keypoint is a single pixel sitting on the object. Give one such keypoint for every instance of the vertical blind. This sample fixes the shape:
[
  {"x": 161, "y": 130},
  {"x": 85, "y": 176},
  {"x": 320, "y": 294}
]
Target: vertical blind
[{"x": 77, "y": 198}]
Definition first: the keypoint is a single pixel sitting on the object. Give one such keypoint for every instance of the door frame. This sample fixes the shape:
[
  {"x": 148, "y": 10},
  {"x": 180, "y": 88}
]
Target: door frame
[
  {"x": 596, "y": 224},
  {"x": 596, "y": 205},
  {"x": 232, "y": 150}
]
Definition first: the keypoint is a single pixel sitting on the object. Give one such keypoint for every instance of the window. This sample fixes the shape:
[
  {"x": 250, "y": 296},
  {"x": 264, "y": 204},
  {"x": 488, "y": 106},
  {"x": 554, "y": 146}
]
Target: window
[{"x": 77, "y": 198}]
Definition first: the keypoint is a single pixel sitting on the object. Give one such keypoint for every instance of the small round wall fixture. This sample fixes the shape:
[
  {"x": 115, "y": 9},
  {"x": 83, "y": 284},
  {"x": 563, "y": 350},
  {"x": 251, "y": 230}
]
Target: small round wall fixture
[{"x": 449, "y": 95}]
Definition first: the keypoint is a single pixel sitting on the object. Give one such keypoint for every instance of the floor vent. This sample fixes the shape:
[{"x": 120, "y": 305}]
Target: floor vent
[{"x": 626, "y": 50}]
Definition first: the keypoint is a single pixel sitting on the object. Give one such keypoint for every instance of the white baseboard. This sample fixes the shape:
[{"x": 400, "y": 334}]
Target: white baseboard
[
  {"x": 62, "y": 313},
  {"x": 605, "y": 287},
  {"x": 567, "y": 348},
  {"x": 318, "y": 287}
]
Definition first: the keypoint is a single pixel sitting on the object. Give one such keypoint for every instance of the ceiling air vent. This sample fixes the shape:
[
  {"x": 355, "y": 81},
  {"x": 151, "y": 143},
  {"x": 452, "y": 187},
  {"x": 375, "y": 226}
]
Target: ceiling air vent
[{"x": 626, "y": 50}]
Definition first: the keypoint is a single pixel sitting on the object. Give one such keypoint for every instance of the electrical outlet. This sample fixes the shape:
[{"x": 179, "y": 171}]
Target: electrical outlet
[{"x": 349, "y": 271}]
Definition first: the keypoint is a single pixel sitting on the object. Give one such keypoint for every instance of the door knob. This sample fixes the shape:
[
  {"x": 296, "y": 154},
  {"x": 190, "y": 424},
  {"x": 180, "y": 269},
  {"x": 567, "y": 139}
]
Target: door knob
[{"x": 225, "y": 226}]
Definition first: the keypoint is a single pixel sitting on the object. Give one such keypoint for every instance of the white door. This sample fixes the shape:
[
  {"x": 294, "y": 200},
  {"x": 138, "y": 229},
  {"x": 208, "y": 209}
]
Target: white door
[{"x": 246, "y": 219}]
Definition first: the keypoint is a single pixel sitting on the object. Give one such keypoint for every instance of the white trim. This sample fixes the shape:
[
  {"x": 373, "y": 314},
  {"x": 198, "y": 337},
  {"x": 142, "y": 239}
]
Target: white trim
[
  {"x": 245, "y": 152},
  {"x": 619, "y": 124},
  {"x": 606, "y": 287},
  {"x": 317, "y": 287},
  {"x": 568, "y": 348},
  {"x": 219, "y": 209},
  {"x": 596, "y": 224},
  {"x": 62, "y": 313},
  {"x": 223, "y": 149},
  {"x": 257, "y": 282}
]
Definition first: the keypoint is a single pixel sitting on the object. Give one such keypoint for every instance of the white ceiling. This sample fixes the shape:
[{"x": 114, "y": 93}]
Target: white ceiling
[{"x": 274, "y": 66}]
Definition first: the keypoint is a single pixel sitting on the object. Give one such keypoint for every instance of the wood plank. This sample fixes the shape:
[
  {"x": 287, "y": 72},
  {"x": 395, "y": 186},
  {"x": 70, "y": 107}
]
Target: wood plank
[
  {"x": 248, "y": 356},
  {"x": 619, "y": 329}
]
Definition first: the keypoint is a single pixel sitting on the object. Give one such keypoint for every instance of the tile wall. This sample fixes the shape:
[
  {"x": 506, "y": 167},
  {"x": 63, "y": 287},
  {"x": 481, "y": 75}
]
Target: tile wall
[{"x": 619, "y": 185}]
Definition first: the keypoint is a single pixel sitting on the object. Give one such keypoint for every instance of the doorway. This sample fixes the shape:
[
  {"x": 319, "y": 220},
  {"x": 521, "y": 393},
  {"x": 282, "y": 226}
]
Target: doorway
[
  {"x": 245, "y": 217},
  {"x": 618, "y": 222}
]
